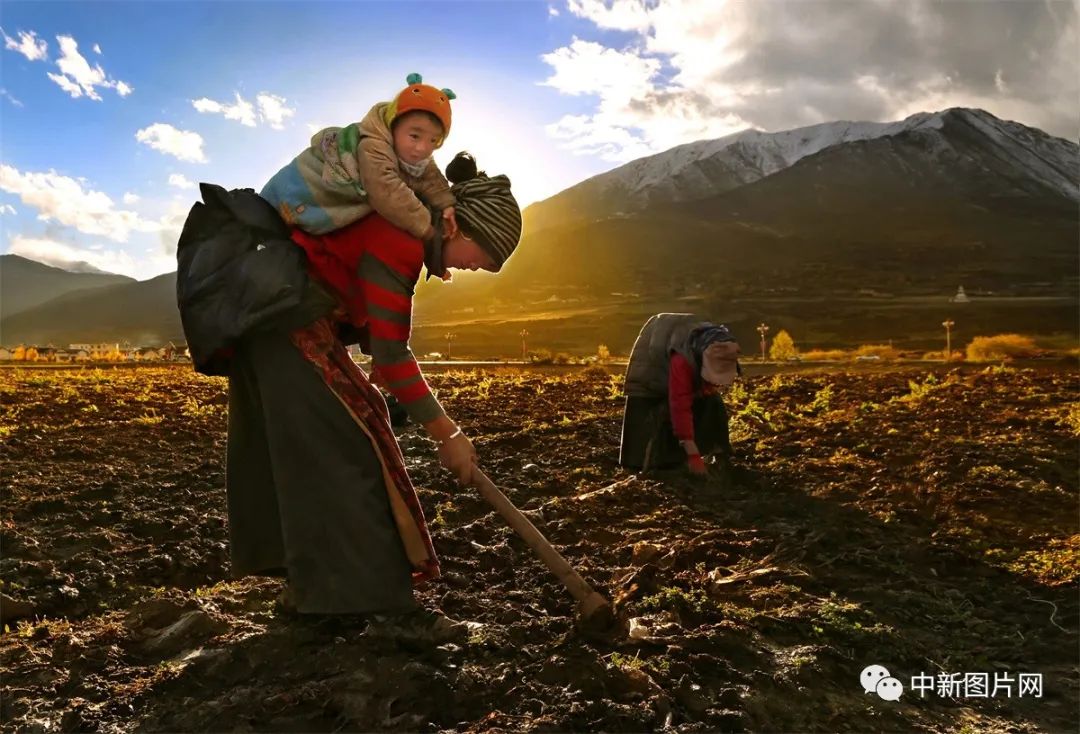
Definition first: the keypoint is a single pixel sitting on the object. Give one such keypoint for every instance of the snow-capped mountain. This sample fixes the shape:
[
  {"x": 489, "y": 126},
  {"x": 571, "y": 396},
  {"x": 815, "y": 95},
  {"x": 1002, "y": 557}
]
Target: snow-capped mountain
[{"x": 1027, "y": 158}]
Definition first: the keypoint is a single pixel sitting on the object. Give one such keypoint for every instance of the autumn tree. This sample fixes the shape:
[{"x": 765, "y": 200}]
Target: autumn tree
[{"x": 782, "y": 347}]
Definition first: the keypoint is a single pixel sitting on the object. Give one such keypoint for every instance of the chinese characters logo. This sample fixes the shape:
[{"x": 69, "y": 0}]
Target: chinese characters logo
[{"x": 877, "y": 679}]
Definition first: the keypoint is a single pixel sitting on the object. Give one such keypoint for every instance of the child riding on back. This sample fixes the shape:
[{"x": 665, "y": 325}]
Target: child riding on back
[{"x": 382, "y": 164}]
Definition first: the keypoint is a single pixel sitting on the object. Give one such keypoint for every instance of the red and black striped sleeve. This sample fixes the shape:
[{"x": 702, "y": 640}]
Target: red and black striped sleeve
[{"x": 389, "y": 269}]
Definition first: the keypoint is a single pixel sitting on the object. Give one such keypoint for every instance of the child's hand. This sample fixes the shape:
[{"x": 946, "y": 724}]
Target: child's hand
[{"x": 450, "y": 228}]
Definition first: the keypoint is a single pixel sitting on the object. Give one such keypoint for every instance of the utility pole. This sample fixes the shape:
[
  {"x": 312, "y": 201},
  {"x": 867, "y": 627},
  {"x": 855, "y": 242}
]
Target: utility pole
[
  {"x": 524, "y": 349},
  {"x": 449, "y": 338},
  {"x": 763, "y": 329},
  {"x": 948, "y": 324}
]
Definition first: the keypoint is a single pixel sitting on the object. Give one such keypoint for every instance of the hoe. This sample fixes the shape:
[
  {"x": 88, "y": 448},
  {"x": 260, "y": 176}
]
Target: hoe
[{"x": 595, "y": 613}]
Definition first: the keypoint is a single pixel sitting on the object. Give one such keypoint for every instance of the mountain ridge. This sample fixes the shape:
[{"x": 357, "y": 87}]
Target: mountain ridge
[
  {"x": 26, "y": 284},
  {"x": 706, "y": 168}
]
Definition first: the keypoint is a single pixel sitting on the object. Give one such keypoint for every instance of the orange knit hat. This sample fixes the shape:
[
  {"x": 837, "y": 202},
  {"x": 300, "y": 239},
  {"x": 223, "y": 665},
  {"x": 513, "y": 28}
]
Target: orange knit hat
[{"x": 421, "y": 97}]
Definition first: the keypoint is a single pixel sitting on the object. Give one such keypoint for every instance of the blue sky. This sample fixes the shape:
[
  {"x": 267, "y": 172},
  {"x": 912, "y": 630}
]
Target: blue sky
[{"x": 111, "y": 112}]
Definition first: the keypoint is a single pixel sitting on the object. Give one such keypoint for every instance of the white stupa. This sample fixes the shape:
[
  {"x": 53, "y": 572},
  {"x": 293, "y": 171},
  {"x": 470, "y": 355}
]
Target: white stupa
[{"x": 960, "y": 296}]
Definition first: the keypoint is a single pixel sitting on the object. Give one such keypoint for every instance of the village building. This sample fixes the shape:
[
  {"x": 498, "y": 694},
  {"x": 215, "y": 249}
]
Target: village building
[
  {"x": 100, "y": 348},
  {"x": 147, "y": 354}
]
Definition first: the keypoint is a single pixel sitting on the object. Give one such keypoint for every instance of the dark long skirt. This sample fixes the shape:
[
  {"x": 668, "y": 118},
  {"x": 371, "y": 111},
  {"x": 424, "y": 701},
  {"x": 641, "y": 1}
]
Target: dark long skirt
[
  {"x": 306, "y": 491},
  {"x": 649, "y": 442}
]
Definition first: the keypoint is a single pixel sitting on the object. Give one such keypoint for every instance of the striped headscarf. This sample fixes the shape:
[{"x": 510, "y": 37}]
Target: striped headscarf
[{"x": 489, "y": 211}]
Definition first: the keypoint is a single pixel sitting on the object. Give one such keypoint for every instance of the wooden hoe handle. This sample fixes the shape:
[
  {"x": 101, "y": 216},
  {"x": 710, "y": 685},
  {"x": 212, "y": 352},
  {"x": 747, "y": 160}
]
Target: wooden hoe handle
[{"x": 589, "y": 599}]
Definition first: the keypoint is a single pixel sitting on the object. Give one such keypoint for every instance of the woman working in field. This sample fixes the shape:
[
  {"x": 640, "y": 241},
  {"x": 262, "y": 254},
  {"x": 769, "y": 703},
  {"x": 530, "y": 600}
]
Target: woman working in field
[
  {"x": 316, "y": 482},
  {"x": 674, "y": 412}
]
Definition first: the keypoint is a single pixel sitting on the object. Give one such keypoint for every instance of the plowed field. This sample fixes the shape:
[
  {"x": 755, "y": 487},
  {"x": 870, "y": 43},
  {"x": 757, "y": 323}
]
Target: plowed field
[{"x": 926, "y": 522}]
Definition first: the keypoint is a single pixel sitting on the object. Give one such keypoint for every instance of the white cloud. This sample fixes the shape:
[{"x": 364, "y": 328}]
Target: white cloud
[
  {"x": 273, "y": 109},
  {"x": 76, "y": 71},
  {"x": 29, "y": 45},
  {"x": 61, "y": 254},
  {"x": 999, "y": 82},
  {"x": 78, "y": 78},
  {"x": 7, "y": 209},
  {"x": 643, "y": 107},
  {"x": 8, "y": 96},
  {"x": 695, "y": 69},
  {"x": 619, "y": 15},
  {"x": 66, "y": 84},
  {"x": 637, "y": 113},
  {"x": 553, "y": 12},
  {"x": 585, "y": 67},
  {"x": 130, "y": 198},
  {"x": 181, "y": 181},
  {"x": 63, "y": 199},
  {"x": 97, "y": 49},
  {"x": 243, "y": 111},
  {"x": 597, "y": 135},
  {"x": 183, "y": 144}
]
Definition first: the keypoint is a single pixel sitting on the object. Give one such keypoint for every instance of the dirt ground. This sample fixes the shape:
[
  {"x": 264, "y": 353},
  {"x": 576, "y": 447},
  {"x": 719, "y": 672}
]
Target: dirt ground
[{"x": 926, "y": 522}]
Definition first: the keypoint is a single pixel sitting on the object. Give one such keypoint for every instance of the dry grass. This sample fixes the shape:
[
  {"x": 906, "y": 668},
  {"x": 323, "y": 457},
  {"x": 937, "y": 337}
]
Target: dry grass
[
  {"x": 825, "y": 355},
  {"x": 884, "y": 352},
  {"x": 1001, "y": 346}
]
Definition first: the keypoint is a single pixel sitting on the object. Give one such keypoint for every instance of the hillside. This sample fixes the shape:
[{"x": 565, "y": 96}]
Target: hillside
[
  {"x": 142, "y": 312},
  {"x": 887, "y": 280},
  {"x": 25, "y": 283}
]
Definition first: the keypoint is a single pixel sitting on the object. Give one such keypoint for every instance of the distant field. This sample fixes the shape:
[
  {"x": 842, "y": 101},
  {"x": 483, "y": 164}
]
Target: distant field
[{"x": 833, "y": 323}]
